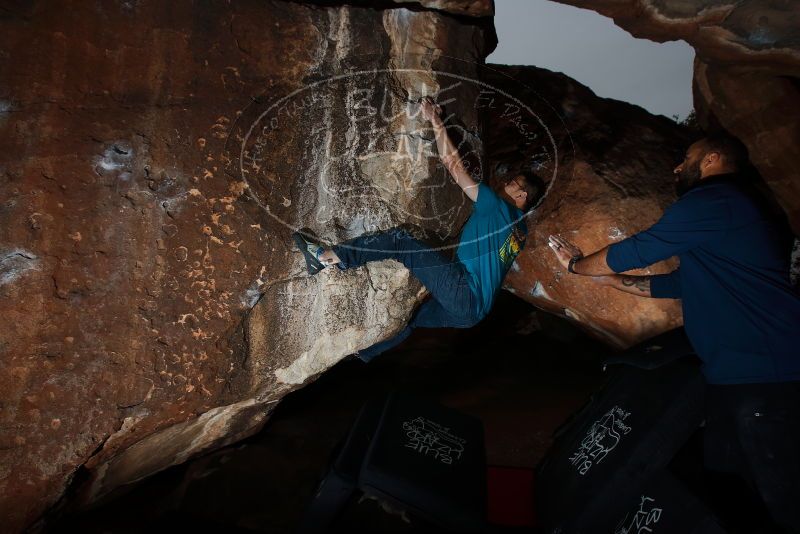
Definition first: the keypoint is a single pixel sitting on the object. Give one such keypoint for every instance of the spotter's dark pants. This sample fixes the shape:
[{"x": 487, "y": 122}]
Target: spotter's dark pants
[
  {"x": 753, "y": 430},
  {"x": 452, "y": 302}
]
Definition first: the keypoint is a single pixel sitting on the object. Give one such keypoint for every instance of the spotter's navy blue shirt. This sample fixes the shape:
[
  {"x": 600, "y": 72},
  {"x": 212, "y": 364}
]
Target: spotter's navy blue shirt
[{"x": 739, "y": 308}]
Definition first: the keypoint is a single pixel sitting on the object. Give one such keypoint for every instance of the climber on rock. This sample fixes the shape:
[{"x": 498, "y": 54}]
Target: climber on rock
[
  {"x": 462, "y": 290},
  {"x": 740, "y": 311}
]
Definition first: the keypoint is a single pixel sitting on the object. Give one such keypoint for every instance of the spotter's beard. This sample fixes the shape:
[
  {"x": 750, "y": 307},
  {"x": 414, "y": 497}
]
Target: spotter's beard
[{"x": 687, "y": 178}]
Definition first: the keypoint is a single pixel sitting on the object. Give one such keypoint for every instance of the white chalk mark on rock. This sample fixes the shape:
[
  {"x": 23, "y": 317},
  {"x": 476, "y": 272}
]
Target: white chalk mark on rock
[
  {"x": 616, "y": 234},
  {"x": 539, "y": 292},
  {"x": 117, "y": 156},
  {"x": 16, "y": 262}
]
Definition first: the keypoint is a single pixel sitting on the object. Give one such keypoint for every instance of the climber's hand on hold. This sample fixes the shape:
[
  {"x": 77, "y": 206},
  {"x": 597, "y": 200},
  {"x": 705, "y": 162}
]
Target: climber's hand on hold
[
  {"x": 431, "y": 111},
  {"x": 448, "y": 153}
]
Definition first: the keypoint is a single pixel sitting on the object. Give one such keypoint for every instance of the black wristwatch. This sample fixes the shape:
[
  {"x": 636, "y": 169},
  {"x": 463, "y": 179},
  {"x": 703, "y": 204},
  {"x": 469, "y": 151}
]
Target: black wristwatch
[{"x": 571, "y": 266}]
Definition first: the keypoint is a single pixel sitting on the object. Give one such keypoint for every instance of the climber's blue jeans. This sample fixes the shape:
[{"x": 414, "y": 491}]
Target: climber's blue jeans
[{"x": 452, "y": 303}]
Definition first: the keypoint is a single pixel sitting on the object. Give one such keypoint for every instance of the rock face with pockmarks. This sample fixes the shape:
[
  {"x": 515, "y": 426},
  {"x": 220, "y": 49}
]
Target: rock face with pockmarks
[
  {"x": 746, "y": 73},
  {"x": 606, "y": 169},
  {"x": 156, "y": 158}
]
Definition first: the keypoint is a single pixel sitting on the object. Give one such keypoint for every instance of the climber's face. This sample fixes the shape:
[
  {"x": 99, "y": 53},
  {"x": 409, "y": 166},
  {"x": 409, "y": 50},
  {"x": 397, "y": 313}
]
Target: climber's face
[{"x": 516, "y": 191}]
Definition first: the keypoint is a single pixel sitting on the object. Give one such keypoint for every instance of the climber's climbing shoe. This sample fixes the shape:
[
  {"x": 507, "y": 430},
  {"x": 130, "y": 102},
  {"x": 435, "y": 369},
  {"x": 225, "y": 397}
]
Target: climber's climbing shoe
[{"x": 310, "y": 249}]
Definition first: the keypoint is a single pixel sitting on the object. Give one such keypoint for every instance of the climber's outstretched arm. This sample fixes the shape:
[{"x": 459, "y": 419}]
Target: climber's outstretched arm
[{"x": 448, "y": 152}]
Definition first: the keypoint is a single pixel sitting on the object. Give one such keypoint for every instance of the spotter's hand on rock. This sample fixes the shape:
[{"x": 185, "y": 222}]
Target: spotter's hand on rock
[{"x": 564, "y": 250}]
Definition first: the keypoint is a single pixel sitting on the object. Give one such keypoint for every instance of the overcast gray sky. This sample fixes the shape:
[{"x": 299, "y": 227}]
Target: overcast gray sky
[{"x": 593, "y": 50}]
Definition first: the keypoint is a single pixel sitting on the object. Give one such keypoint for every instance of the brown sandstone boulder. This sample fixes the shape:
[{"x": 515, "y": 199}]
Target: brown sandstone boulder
[
  {"x": 746, "y": 73},
  {"x": 471, "y": 8},
  {"x": 156, "y": 158},
  {"x": 607, "y": 168}
]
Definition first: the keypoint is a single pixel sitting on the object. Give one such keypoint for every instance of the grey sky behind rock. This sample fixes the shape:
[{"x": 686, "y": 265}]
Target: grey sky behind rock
[{"x": 591, "y": 49}]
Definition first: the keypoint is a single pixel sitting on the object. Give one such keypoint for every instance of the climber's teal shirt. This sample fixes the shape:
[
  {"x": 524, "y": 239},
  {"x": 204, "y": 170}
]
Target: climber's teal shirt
[{"x": 490, "y": 241}]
